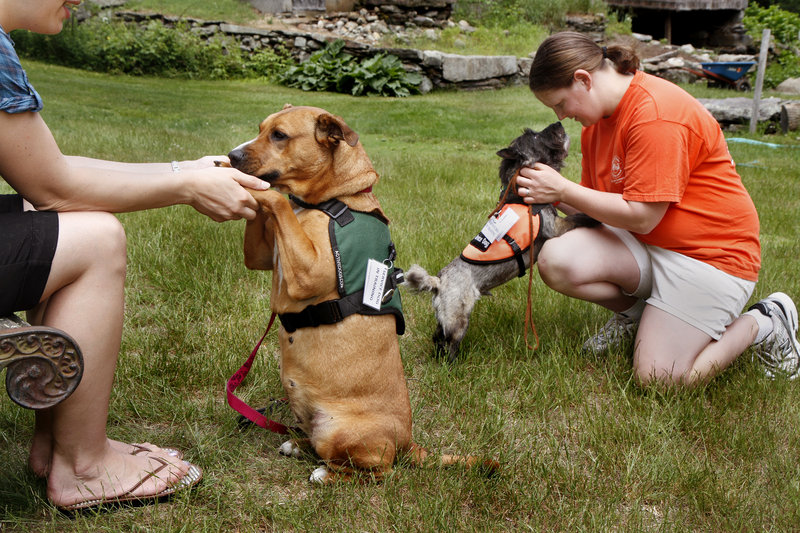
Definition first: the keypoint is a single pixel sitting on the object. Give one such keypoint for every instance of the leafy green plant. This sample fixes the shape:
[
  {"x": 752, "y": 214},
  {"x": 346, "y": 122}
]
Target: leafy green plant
[
  {"x": 332, "y": 69},
  {"x": 382, "y": 74},
  {"x": 321, "y": 71},
  {"x": 154, "y": 49},
  {"x": 618, "y": 24},
  {"x": 784, "y": 29},
  {"x": 268, "y": 63}
]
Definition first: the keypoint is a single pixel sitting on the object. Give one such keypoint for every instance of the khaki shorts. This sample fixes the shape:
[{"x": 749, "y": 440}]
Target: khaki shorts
[{"x": 695, "y": 292}]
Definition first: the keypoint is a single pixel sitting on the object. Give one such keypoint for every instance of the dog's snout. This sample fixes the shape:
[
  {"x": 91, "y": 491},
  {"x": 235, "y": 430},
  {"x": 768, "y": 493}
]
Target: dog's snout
[{"x": 236, "y": 157}]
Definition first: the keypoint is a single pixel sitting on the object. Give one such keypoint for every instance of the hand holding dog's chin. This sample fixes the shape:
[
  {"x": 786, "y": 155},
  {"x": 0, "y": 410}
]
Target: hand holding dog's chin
[
  {"x": 540, "y": 184},
  {"x": 221, "y": 193}
]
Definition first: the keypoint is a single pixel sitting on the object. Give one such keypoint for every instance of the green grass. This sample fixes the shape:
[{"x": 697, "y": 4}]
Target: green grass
[
  {"x": 235, "y": 11},
  {"x": 582, "y": 447},
  {"x": 518, "y": 39}
]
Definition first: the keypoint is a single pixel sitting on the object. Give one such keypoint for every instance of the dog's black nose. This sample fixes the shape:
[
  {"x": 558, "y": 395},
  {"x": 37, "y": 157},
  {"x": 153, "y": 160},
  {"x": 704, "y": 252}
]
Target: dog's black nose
[{"x": 236, "y": 157}]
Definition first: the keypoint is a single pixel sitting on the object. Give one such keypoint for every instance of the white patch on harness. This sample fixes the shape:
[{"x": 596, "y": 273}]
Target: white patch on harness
[
  {"x": 497, "y": 227},
  {"x": 374, "y": 282}
]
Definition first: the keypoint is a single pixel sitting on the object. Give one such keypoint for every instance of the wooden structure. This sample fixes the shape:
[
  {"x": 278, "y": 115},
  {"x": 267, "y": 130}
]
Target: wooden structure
[
  {"x": 699, "y": 22},
  {"x": 43, "y": 365}
]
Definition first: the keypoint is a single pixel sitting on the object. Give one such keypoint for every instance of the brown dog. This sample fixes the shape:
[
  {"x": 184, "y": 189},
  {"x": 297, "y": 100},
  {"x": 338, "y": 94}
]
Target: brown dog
[{"x": 344, "y": 380}]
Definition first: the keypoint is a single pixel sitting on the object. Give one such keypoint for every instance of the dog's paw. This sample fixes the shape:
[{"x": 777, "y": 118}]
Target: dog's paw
[
  {"x": 319, "y": 475},
  {"x": 290, "y": 449}
]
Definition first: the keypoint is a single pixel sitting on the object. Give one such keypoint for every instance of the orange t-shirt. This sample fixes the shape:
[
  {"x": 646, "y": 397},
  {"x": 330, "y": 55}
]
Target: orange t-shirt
[{"x": 662, "y": 145}]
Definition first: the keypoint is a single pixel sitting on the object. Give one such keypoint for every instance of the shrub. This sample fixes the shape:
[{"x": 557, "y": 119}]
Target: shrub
[
  {"x": 784, "y": 28},
  {"x": 153, "y": 49},
  {"x": 331, "y": 69}
]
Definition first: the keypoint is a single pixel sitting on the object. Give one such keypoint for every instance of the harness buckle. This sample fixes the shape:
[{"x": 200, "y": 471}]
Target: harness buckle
[{"x": 387, "y": 296}]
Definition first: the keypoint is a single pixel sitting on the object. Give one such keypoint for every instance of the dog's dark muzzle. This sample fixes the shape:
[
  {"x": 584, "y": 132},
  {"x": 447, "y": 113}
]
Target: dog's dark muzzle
[{"x": 238, "y": 159}]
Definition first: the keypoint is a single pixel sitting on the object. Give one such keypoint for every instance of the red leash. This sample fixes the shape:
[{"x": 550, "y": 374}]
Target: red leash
[
  {"x": 241, "y": 407},
  {"x": 529, "y": 324}
]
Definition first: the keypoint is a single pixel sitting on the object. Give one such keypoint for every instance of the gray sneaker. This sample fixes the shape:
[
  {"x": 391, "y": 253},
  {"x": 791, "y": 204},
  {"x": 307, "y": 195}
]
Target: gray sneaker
[
  {"x": 779, "y": 351},
  {"x": 618, "y": 330}
]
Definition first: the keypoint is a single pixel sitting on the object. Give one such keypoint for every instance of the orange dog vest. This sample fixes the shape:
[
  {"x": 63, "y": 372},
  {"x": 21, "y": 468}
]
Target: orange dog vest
[{"x": 511, "y": 245}]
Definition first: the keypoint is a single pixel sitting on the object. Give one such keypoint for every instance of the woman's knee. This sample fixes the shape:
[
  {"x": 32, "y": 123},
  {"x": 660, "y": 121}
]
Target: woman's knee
[
  {"x": 651, "y": 369},
  {"x": 556, "y": 264},
  {"x": 90, "y": 241},
  {"x": 104, "y": 236}
]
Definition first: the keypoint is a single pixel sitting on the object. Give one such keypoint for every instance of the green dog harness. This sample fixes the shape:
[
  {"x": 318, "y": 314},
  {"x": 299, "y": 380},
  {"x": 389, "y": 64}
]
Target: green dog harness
[{"x": 363, "y": 252}]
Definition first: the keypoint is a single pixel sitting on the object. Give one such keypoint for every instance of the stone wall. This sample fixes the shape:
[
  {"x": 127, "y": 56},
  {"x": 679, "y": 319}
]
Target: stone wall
[
  {"x": 392, "y": 11},
  {"x": 439, "y": 70},
  {"x": 431, "y": 12}
]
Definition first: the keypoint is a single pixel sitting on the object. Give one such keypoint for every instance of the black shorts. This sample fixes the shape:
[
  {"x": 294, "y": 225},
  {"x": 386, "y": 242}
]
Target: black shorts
[{"x": 27, "y": 245}]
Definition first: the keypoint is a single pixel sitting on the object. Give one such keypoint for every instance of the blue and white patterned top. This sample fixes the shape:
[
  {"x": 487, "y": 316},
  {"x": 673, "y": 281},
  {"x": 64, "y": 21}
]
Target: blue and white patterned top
[{"x": 16, "y": 92}]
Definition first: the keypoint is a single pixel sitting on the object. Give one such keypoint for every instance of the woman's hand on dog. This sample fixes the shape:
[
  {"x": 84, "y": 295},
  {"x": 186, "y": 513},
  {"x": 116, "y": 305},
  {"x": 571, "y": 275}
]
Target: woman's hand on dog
[
  {"x": 219, "y": 192},
  {"x": 541, "y": 184}
]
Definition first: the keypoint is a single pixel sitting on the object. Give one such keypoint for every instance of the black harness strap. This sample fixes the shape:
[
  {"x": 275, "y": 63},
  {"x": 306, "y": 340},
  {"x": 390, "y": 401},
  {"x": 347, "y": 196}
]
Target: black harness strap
[
  {"x": 517, "y": 254},
  {"x": 334, "y": 208},
  {"x": 333, "y": 311}
]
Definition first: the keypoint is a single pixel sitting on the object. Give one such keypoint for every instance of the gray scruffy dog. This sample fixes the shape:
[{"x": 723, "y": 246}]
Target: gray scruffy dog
[{"x": 462, "y": 282}]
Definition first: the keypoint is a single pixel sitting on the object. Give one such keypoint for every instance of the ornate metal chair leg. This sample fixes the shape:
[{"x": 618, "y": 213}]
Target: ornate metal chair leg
[{"x": 43, "y": 365}]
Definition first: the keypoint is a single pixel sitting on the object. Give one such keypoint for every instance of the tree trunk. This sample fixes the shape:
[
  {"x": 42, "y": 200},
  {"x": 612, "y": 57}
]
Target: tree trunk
[{"x": 790, "y": 116}]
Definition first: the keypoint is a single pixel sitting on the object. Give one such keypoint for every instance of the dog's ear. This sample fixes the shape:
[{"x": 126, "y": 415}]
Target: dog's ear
[
  {"x": 332, "y": 129},
  {"x": 508, "y": 153}
]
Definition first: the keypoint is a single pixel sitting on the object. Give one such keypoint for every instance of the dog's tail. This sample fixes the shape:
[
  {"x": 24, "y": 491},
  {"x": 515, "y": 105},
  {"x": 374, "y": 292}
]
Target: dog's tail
[
  {"x": 420, "y": 457},
  {"x": 419, "y": 280}
]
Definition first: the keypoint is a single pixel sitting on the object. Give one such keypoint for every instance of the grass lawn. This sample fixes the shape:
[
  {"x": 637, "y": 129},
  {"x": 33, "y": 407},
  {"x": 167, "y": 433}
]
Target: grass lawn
[
  {"x": 236, "y": 11},
  {"x": 582, "y": 447}
]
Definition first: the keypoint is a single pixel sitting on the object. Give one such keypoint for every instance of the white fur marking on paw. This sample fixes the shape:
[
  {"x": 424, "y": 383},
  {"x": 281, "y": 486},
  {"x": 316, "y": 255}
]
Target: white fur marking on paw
[
  {"x": 289, "y": 449},
  {"x": 319, "y": 475}
]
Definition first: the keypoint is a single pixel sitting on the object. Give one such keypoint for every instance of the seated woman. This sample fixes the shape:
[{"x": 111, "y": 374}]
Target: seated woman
[{"x": 63, "y": 259}]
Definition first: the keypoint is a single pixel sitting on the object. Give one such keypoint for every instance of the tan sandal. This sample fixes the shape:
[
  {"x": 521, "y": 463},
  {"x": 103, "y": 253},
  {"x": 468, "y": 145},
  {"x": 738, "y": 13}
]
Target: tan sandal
[
  {"x": 189, "y": 480},
  {"x": 141, "y": 448}
]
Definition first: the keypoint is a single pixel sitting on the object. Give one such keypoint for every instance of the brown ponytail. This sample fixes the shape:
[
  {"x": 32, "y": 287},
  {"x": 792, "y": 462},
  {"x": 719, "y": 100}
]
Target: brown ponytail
[{"x": 561, "y": 54}]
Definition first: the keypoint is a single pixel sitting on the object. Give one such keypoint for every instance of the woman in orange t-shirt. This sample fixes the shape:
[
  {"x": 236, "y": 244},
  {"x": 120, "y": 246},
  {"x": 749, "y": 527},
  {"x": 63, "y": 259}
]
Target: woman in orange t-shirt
[{"x": 678, "y": 254}]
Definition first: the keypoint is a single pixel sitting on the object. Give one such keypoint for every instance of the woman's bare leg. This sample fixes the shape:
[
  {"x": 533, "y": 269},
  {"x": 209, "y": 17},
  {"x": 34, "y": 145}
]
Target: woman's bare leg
[
  {"x": 670, "y": 351},
  {"x": 84, "y": 297},
  {"x": 590, "y": 264}
]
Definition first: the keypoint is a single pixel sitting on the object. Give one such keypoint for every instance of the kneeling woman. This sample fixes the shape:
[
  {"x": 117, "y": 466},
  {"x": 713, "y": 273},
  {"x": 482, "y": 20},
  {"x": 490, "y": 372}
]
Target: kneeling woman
[{"x": 678, "y": 255}]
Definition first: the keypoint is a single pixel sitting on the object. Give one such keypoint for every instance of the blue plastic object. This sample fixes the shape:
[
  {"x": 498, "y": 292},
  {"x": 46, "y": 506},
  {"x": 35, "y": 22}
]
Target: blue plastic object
[{"x": 730, "y": 70}]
